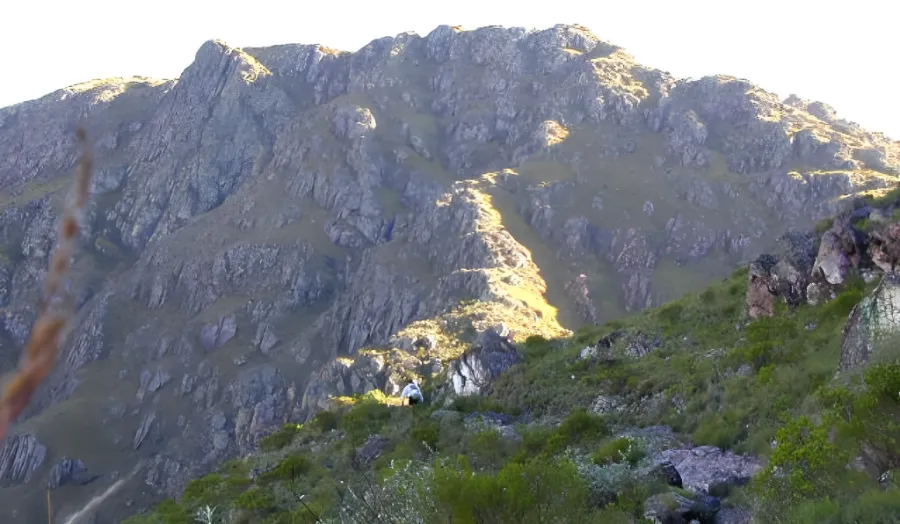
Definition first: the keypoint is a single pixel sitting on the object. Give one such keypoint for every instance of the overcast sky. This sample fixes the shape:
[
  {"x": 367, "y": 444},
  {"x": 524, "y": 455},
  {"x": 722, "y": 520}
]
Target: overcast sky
[{"x": 843, "y": 53}]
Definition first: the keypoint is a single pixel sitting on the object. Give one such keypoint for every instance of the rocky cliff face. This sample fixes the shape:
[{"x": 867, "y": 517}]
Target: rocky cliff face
[{"x": 282, "y": 225}]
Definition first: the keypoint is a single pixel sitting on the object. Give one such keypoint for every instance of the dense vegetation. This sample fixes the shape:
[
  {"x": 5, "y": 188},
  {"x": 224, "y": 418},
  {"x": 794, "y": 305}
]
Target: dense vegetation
[{"x": 708, "y": 373}]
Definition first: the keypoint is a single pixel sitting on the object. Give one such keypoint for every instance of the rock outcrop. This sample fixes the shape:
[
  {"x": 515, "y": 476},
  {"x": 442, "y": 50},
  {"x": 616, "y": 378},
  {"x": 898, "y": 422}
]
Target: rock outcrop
[
  {"x": 258, "y": 223},
  {"x": 476, "y": 369},
  {"x": 20, "y": 457},
  {"x": 863, "y": 242},
  {"x": 710, "y": 470},
  {"x": 873, "y": 326},
  {"x": 785, "y": 276}
]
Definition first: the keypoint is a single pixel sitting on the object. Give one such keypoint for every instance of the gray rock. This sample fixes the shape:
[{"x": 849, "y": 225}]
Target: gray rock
[
  {"x": 675, "y": 508},
  {"x": 147, "y": 423},
  {"x": 478, "y": 367},
  {"x": 708, "y": 469},
  {"x": 839, "y": 252},
  {"x": 371, "y": 449},
  {"x": 69, "y": 471},
  {"x": 214, "y": 336},
  {"x": 872, "y": 326},
  {"x": 427, "y": 342},
  {"x": 150, "y": 382},
  {"x": 728, "y": 515},
  {"x": 20, "y": 458}
]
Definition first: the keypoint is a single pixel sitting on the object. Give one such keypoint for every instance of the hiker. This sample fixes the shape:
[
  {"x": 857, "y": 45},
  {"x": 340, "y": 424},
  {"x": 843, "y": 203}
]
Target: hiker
[{"x": 411, "y": 394}]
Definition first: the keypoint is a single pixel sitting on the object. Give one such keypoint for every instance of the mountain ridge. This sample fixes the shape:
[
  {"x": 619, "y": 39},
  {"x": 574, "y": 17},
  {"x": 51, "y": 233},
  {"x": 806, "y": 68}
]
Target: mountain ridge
[{"x": 276, "y": 209}]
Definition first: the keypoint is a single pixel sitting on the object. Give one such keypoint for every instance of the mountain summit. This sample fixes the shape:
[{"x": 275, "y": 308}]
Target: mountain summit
[{"x": 284, "y": 225}]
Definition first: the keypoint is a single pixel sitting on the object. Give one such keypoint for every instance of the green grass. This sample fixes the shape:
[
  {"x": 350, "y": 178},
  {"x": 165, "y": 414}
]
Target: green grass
[{"x": 34, "y": 190}]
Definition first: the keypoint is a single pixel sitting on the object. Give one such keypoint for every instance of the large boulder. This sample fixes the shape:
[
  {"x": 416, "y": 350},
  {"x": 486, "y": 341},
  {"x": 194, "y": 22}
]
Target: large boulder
[
  {"x": 884, "y": 247},
  {"x": 784, "y": 276},
  {"x": 69, "y": 471},
  {"x": 708, "y": 469},
  {"x": 841, "y": 250},
  {"x": 761, "y": 292},
  {"x": 477, "y": 368},
  {"x": 872, "y": 324}
]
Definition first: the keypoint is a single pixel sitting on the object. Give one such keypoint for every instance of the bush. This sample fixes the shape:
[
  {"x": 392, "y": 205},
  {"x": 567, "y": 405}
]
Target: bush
[
  {"x": 280, "y": 438},
  {"x": 481, "y": 404},
  {"x": 487, "y": 448},
  {"x": 722, "y": 429},
  {"x": 807, "y": 457},
  {"x": 824, "y": 225},
  {"x": 166, "y": 512},
  {"x": 618, "y": 451},
  {"x": 326, "y": 421},
  {"x": 364, "y": 419},
  {"x": 536, "y": 347},
  {"x": 580, "y": 426},
  {"x": 425, "y": 433},
  {"x": 290, "y": 467},
  {"x": 538, "y": 491},
  {"x": 671, "y": 313},
  {"x": 841, "y": 306},
  {"x": 255, "y": 499}
]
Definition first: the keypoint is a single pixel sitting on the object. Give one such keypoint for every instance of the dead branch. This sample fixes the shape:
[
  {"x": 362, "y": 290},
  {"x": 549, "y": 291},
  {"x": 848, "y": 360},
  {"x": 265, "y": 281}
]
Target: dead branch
[{"x": 57, "y": 305}]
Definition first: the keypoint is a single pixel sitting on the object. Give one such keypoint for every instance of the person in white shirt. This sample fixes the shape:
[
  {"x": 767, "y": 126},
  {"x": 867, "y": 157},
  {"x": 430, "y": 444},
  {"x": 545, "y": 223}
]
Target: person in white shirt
[{"x": 411, "y": 394}]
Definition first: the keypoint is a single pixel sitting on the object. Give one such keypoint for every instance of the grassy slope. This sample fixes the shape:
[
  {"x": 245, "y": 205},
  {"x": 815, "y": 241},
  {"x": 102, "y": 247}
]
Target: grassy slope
[{"x": 690, "y": 382}]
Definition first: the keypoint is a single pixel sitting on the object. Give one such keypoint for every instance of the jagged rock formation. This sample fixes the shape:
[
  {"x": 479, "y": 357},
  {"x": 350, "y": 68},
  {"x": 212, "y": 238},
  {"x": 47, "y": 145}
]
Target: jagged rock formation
[
  {"x": 20, "y": 457},
  {"x": 476, "y": 369},
  {"x": 277, "y": 209},
  {"x": 785, "y": 275}
]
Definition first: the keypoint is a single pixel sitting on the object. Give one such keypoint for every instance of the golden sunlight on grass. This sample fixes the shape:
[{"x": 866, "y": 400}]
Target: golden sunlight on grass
[{"x": 554, "y": 132}]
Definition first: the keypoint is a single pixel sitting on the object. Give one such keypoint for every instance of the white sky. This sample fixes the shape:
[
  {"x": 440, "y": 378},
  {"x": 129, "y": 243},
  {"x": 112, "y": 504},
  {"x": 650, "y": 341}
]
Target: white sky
[{"x": 840, "y": 52}]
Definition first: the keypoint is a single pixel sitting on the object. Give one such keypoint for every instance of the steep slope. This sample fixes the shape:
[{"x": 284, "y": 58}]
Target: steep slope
[
  {"x": 708, "y": 409},
  {"x": 273, "y": 212}
]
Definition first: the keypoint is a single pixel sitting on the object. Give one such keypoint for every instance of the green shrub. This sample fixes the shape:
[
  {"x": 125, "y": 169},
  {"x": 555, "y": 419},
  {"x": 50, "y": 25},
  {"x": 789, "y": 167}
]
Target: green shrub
[
  {"x": 536, "y": 347},
  {"x": 534, "y": 441},
  {"x": 363, "y": 419},
  {"x": 580, "y": 426},
  {"x": 722, "y": 429},
  {"x": 487, "y": 448},
  {"x": 841, "y": 306},
  {"x": 280, "y": 438},
  {"x": 425, "y": 433},
  {"x": 824, "y": 225},
  {"x": 618, "y": 451},
  {"x": 207, "y": 490},
  {"x": 326, "y": 420},
  {"x": 538, "y": 491},
  {"x": 481, "y": 404},
  {"x": 166, "y": 512},
  {"x": 255, "y": 499},
  {"x": 290, "y": 467},
  {"x": 807, "y": 456},
  {"x": 670, "y": 313}
]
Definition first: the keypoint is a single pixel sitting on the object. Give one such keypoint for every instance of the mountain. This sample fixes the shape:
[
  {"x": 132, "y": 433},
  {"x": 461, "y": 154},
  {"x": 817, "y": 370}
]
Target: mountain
[
  {"x": 770, "y": 396},
  {"x": 285, "y": 225}
]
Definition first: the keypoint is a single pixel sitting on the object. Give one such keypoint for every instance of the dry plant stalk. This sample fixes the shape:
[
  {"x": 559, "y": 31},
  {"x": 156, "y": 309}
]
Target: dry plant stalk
[{"x": 57, "y": 305}]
